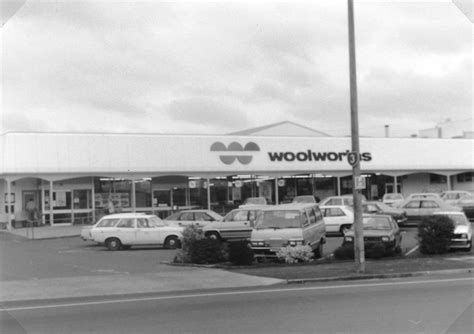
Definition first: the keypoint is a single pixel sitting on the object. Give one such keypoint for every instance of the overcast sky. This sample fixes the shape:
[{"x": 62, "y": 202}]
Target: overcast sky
[{"x": 214, "y": 68}]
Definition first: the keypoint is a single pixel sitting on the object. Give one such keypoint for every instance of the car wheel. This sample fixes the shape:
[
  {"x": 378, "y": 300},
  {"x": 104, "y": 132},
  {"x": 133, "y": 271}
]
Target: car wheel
[
  {"x": 344, "y": 229},
  {"x": 172, "y": 242},
  {"x": 113, "y": 244},
  {"x": 213, "y": 235},
  {"x": 318, "y": 252}
]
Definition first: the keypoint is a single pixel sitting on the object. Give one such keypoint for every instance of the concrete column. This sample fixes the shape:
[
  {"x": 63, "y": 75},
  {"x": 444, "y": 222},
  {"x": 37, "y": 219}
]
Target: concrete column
[
  {"x": 43, "y": 206},
  {"x": 208, "y": 194},
  {"x": 93, "y": 200},
  {"x": 51, "y": 215},
  {"x": 338, "y": 185},
  {"x": 8, "y": 203},
  {"x": 395, "y": 185},
  {"x": 277, "y": 200},
  {"x": 134, "y": 200},
  {"x": 448, "y": 179}
]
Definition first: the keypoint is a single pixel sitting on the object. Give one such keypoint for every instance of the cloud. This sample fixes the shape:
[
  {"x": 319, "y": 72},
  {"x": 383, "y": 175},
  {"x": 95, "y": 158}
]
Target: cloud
[
  {"x": 197, "y": 110},
  {"x": 221, "y": 67}
]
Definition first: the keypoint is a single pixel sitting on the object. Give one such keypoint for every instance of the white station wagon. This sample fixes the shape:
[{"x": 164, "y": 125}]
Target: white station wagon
[{"x": 124, "y": 230}]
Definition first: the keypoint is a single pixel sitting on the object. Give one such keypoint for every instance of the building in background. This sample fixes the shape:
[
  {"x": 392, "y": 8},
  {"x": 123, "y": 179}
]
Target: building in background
[{"x": 72, "y": 176}]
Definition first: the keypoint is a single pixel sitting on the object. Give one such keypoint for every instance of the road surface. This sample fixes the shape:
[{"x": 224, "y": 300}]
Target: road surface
[{"x": 416, "y": 305}]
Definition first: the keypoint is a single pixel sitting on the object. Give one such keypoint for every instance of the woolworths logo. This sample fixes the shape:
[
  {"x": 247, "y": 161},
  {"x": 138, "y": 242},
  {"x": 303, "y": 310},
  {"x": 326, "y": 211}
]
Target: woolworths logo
[
  {"x": 244, "y": 154},
  {"x": 235, "y": 151},
  {"x": 309, "y": 155}
]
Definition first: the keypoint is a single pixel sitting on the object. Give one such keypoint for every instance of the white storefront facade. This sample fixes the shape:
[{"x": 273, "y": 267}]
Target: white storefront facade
[{"x": 71, "y": 176}]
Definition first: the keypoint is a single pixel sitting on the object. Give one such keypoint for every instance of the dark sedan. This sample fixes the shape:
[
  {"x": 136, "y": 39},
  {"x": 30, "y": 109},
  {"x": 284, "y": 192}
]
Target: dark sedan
[
  {"x": 380, "y": 208},
  {"x": 378, "y": 229}
]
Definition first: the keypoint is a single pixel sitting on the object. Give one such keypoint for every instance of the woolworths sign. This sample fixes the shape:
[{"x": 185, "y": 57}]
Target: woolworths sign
[{"x": 243, "y": 153}]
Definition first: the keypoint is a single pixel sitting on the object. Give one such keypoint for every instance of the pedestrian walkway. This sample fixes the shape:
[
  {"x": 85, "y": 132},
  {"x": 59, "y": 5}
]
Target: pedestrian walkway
[
  {"x": 184, "y": 279},
  {"x": 47, "y": 232}
]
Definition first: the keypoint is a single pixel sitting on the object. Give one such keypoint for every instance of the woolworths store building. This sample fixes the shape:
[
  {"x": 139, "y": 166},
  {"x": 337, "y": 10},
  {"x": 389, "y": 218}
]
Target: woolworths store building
[{"x": 71, "y": 177}]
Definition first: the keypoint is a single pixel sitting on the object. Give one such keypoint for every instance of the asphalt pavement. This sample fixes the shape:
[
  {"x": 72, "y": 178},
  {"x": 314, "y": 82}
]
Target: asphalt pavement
[
  {"x": 415, "y": 305},
  {"x": 53, "y": 267}
]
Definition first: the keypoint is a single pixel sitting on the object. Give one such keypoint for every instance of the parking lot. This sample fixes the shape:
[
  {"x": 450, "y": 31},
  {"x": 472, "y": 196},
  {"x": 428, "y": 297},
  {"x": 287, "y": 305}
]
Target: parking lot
[{"x": 67, "y": 257}]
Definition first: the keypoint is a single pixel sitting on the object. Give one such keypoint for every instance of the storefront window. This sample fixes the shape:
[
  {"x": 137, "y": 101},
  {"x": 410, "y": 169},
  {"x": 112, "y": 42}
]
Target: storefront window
[{"x": 143, "y": 194}]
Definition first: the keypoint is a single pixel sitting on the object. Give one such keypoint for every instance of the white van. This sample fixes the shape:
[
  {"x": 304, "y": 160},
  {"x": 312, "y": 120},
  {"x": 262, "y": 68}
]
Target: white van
[{"x": 288, "y": 225}]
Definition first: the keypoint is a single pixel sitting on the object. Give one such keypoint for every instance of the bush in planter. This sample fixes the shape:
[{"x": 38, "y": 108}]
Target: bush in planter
[
  {"x": 295, "y": 254},
  {"x": 240, "y": 253},
  {"x": 205, "y": 251},
  {"x": 375, "y": 251},
  {"x": 344, "y": 252},
  {"x": 435, "y": 234},
  {"x": 190, "y": 235}
]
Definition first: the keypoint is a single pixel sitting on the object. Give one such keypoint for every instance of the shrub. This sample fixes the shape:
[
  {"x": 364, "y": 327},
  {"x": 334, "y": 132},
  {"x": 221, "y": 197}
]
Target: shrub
[
  {"x": 344, "y": 252},
  {"x": 205, "y": 251},
  {"x": 240, "y": 253},
  {"x": 375, "y": 251},
  {"x": 295, "y": 254},
  {"x": 435, "y": 234},
  {"x": 190, "y": 235}
]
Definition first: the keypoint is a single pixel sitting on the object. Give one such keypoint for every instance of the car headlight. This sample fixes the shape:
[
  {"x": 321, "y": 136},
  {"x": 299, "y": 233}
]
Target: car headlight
[
  {"x": 385, "y": 239},
  {"x": 295, "y": 242},
  {"x": 258, "y": 243},
  {"x": 348, "y": 239}
]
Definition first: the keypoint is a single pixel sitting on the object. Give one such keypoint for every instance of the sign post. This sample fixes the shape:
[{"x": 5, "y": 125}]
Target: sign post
[{"x": 354, "y": 157}]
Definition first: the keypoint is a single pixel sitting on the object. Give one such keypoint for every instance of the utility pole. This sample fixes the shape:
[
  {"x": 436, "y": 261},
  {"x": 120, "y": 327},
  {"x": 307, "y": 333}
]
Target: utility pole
[{"x": 358, "y": 228}]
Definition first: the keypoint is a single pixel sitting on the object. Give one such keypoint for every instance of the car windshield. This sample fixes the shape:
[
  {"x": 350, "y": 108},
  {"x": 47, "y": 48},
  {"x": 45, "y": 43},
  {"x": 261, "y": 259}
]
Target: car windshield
[
  {"x": 376, "y": 223},
  {"x": 279, "y": 219}
]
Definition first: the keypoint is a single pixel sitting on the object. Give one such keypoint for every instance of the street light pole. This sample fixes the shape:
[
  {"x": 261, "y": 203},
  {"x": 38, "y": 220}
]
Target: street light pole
[{"x": 358, "y": 228}]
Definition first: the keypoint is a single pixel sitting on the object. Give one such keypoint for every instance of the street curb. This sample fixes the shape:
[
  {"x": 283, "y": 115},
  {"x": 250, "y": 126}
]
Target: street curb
[{"x": 380, "y": 276}]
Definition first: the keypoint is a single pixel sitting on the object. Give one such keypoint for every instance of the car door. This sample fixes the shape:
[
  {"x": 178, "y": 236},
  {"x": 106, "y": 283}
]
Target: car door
[
  {"x": 126, "y": 231},
  {"x": 186, "y": 219},
  {"x": 202, "y": 219},
  {"x": 334, "y": 219},
  {"x": 147, "y": 234},
  {"x": 239, "y": 225}
]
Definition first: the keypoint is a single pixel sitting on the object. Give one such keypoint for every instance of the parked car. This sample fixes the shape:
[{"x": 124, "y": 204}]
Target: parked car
[
  {"x": 453, "y": 196},
  {"x": 304, "y": 199},
  {"x": 380, "y": 208},
  {"x": 422, "y": 196},
  {"x": 419, "y": 208},
  {"x": 337, "y": 218},
  {"x": 378, "y": 229},
  {"x": 462, "y": 238},
  {"x": 124, "y": 230},
  {"x": 288, "y": 225},
  {"x": 236, "y": 225},
  {"x": 199, "y": 218},
  {"x": 466, "y": 203},
  {"x": 340, "y": 200},
  {"x": 393, "y": 199},
  {"x": 254, "y": 201}
]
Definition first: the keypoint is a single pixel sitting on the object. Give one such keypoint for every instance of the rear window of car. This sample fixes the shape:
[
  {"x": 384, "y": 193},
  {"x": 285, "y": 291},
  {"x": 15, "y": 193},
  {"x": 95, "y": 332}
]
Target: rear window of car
[
  {"x": 107, "y": 223},
  {"x": 279, "y": 219},
  {"x": 412, "y": 205},
  {"x": 377, "y": 224},
  {"x": 429, "y": 204}
]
